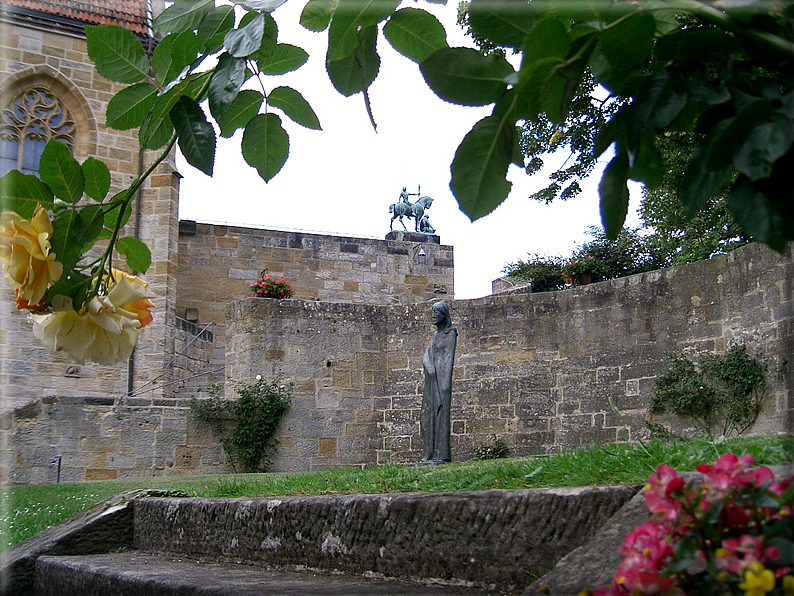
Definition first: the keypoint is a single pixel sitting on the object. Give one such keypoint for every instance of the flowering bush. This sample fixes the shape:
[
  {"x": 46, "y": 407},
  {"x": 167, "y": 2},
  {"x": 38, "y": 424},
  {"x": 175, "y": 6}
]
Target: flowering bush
[
  {"x": 730, "y": 533},
  {"x": 271, "y": 287},
  {"x": 582, "y": 264}
]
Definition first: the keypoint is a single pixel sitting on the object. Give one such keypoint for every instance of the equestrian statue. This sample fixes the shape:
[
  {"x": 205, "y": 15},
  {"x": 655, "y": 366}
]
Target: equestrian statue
[{"x": 404, "y": 208}]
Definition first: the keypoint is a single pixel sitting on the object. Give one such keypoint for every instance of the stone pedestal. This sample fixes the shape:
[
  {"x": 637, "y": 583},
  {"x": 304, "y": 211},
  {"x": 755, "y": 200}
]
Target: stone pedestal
[{"x": 414, "y": 237}]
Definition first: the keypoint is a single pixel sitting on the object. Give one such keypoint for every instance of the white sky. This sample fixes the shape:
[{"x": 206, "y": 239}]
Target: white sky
[{"x": 341, "y": 180}]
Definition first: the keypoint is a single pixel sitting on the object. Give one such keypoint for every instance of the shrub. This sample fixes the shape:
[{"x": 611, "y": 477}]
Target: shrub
[
  {"x": 254, "y": 418},
  {"x": 719, "y": 390},
  {"x": 544, "y": 272},
  {"x": 493, "y": 448}
]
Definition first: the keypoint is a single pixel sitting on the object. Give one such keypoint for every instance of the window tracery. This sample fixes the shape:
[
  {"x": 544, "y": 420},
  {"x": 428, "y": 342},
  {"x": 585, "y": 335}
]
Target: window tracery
[{"x": 26, "y": 124}]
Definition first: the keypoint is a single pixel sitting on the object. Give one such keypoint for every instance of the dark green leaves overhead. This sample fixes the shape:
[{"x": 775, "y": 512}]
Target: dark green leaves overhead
[
  {"x": 246, "y": 40},
  {"x": 225, "y": 83},
  {"x": 628, "y": 42},
  {"x": 21, "y": 193},
  {"x": 61, "y": 172},
  {"x": 614, "y": 193},
  {"x": 293, "y": 104},
  {"x": 505, "y": 23},
  {"x": 265, "y": 145},
  {"x": 415, "y": 33},
  {"x": 480, "y": 166},
  {"x": 117, "y": 53},
  {"x": 214, "y": 27},
  {"x": 316, "y": 15},
  {"x": 244, "y": 107},
  {"x": 466, "y": 77},
  {"x": 196, "y": 135},
  {"x": 183, "y": 15},
  {"x": 284, "y": 58},
  {"x": 349, "y": 18},
  {"x": 356, "y": 72}
]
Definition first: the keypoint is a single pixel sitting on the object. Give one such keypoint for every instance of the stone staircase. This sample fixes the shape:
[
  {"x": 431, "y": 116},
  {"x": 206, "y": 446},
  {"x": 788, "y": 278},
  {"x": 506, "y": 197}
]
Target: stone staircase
[{"x": 397, "y": 544}]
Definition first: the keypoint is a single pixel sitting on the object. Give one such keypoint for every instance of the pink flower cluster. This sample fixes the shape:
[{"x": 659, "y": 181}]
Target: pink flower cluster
[
  {"x": 730, "y": 533},
  {"x": 271, "y": 287}
]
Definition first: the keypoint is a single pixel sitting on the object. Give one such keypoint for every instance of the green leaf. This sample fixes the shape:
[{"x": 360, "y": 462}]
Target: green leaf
[
  {"x": 760, "y": 216},
  {"x": 763, "y": 145},
  {"x": 21, "y": 193},
  {"x": 284, "y": 58},
  {"x": 549, "y": 39},
  {"x": 349, "y": 18},
  {"x": 648, "y": 167},
  {"x": 292, "y": 103},
  {"x": 628, "y": 42},
  {"x": 183, "y": 15},
  {"x": 356, "y": 72},
  {"x": 174, "y": 55},
  {"x": 265, "y": 145},
  {"x": 137, "y": 253},
  {"x": 316, "y": 15},
  {"x": 74, "y": 285},
  {"x": 214, "y": 27},
  {"x": 111, "y": 211},
  {"x": 130, "y": 106},
  {"x": 464, "y": 76},
  {"x": 415, "y": 33},
  {"x": 479, "y": 168},
  {"x": 117, "y": 54},
  {"x": 196, "y": 135},
  {"x": 228, "y": 77},
  {"x": 656, "y": 106},
  {"x": 505, "y": 23},
  {"x": 72, "y": 231},
  {"x": 244, "y": 107},
  {"x": 61, "y": 172},
  {"x": 246, "y": 40},
  {"x": 157, "y": 129},
  {"x": 97, "y": 178},
  {"x": 614, "y": 193}
]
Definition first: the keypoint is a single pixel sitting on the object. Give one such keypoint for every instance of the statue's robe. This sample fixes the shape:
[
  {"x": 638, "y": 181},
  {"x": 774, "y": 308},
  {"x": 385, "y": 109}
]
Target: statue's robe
[{"x": 437, "y": 397}]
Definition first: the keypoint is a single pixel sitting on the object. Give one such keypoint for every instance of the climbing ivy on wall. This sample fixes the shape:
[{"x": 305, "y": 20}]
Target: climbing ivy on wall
[
  {"x": 247, "y": 424},
  {"x": 720, "y": 391}
]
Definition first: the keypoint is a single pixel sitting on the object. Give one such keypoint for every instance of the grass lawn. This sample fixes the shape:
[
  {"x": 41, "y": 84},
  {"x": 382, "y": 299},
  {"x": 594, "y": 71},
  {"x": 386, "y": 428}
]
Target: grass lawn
[{"x": 27, "y": 510}]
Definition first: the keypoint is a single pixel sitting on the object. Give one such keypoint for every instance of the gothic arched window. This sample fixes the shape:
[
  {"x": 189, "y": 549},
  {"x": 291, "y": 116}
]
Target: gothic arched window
[{"x": 26, "y": 124}]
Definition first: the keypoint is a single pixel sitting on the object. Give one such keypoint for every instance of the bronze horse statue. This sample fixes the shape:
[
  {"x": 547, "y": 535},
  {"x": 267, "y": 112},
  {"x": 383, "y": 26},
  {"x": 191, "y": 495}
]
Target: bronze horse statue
[{"x": 414, "y": 210}]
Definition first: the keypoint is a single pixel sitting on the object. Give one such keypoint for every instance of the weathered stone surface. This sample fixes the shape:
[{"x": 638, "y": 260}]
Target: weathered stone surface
[
  {"x": 142, "y": 574},
  {"x": 493, "y": 539}
]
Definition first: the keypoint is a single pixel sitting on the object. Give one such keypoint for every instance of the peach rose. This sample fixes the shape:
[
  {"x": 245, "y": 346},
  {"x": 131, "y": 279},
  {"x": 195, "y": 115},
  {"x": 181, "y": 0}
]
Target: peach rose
[
  {"x": 28, "y": 264},
  {"x": 107, "y": 332}
]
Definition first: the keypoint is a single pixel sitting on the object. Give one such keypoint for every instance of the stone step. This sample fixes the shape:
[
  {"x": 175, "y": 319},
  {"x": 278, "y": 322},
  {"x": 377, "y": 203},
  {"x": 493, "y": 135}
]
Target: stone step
[{"x": 142, "y": 574}]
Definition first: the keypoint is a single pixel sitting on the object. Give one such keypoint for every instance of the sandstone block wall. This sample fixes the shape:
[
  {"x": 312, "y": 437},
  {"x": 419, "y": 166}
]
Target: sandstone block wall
[
  {"x": 537, "y": 370},
  {"x": 217, "y": 264}
]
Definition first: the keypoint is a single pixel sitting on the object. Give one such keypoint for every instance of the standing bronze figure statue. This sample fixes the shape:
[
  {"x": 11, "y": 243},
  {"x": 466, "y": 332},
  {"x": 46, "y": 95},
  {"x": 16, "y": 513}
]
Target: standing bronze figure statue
[{"x": 437, "y": 362}]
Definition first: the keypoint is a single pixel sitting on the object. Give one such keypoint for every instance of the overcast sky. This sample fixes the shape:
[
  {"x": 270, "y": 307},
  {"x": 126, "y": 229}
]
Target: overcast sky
[{"x": 341, "y": 180}]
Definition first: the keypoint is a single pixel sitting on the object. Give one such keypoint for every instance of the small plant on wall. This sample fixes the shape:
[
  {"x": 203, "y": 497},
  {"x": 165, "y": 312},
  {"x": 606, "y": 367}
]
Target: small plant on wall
[
  {"x": 247, "y": 424},
  {"x": 722, "y": 392},
  {"x": 268, "y": 286}
]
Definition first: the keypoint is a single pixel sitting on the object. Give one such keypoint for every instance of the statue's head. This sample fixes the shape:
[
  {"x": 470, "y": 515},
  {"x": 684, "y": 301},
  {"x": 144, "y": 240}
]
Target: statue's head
[
  {"x": 405, "y": 188},
  {"x": 440, "y": 313}
]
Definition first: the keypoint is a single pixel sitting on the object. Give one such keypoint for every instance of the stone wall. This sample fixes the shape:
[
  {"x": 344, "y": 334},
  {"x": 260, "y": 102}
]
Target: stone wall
[
  {"x": 217, "y": 264},
  {"x": 538, "y": 370}
]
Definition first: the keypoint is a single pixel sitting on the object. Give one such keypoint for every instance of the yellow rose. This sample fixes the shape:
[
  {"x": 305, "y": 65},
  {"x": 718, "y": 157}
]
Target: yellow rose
[
  {"x": 758, "y": 581},
  {"x": 107, "y": 332},
  {"x": 28, "y": 264}
]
